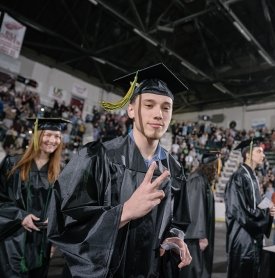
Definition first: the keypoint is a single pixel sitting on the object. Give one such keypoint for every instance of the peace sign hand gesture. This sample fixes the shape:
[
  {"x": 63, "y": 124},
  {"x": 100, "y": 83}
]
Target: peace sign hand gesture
[{"x": 145, "y": 198}]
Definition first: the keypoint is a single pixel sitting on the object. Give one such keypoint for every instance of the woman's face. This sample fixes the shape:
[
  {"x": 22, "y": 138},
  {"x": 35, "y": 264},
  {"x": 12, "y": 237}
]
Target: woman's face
[{"x": 50, "y": 141}]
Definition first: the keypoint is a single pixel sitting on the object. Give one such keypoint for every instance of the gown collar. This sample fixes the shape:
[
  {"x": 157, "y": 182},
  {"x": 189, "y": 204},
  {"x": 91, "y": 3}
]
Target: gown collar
[{"x": 159, "y": 153}]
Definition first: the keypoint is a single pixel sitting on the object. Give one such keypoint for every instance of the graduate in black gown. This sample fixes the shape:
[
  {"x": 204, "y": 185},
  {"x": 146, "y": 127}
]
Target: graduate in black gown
[
  {"x": 25, "y": 188},
  {"x": 200, "y": 233},
  {"x": 116, "y": 203},
  {"x": 246, "y": 222}
]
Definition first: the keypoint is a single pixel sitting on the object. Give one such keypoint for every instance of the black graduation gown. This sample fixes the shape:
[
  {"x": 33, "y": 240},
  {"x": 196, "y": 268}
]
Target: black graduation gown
[
  {"x": 16, "y": 202},
  {"x": 202, "y": 210},
  {"x": 246, "y": 224},
  {"x": 87, "y": 204}
]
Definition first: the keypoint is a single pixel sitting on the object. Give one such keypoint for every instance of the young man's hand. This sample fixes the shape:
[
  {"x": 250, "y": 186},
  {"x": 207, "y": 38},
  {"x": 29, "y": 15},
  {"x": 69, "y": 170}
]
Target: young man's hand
[
  {"x": 180, "y": 248},
  {"x": 145, "y": 198}
]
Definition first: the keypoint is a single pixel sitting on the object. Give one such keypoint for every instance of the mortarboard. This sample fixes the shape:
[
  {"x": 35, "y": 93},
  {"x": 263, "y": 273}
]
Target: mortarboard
[
  {"x": 55, "y": 124},
  {"x": 49, "y": 123},
  {"x": 211, "y": 156},
  {"x": 252, "y": 142},
  {"x": 156, "y": 79}
]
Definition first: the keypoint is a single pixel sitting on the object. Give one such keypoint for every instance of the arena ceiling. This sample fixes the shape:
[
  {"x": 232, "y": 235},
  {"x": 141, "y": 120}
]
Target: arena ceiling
[{"x": 224, "y": 50}]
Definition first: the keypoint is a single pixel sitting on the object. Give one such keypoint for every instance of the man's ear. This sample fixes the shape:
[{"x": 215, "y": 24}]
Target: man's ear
[{"x": 130, "y": 111}]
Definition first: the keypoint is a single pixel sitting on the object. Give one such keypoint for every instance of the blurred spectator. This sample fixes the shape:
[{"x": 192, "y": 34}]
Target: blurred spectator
[{"x": 2, "y": 113}]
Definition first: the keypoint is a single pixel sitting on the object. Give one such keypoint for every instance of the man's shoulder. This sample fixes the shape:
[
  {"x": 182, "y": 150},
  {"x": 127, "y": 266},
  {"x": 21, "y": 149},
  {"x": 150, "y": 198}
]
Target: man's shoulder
[
  {"x": 174, "y": 162},
  {"x": 107, "y": 147},
  {"x": 241, "y": 170},
  {"x": 115, "y": 143},
  {"x": 240, "y": 176},
  {"x": 175, "y": 167}
]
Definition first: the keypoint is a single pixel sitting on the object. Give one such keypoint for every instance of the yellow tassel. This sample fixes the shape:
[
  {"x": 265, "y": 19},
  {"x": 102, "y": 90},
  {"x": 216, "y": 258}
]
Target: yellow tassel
[
  {"x": 250, "y": 150},
  {"x": 219, "y": 166},
  {"x": 109, "y": 106},
  {"x": 35, "y": 135}
]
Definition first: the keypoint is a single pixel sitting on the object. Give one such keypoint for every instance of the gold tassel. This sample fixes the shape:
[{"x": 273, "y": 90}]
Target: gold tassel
[
  {"x": 250, "y": 150},
  {"x": 219, "y": 166},
  {"x": 109, "y": 106},
  {"x": 35, "y": 135}
]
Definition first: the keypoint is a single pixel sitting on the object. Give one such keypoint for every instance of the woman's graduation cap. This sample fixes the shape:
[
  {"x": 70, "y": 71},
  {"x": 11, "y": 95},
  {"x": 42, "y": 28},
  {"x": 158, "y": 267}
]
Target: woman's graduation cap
[
  {"x": 55, "y": 124},
  {"x": 49, "y": 123},
  {"x": 156, "y": 79},
  {"x": 211, "y": 156}
]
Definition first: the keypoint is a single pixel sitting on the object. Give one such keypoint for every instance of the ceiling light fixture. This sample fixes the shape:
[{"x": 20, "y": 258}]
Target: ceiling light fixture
[
  {"x": 220, "y": 87},
  {"x": 144, "y": 36},
  {"x": 165, "y": 28},
  {"x": 93, "y": 2},
  {"x": 266, "y": 57},
  {"x": 99, "y": 60},
  {"x": 242, "y": 30},
  {"x": 189, "y": 66}
]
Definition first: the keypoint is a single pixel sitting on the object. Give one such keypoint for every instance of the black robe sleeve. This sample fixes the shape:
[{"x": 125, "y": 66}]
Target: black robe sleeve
[
  {"x": 82, "y": 221},
  {"x": 197, "y": 198},
  {"x": 12, "y": 210},
  {"x": 181, "y": 212}
]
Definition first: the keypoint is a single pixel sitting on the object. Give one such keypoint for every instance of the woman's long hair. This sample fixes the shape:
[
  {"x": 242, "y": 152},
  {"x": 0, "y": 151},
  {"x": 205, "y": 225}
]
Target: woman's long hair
[
  {"x": 24, "y": 164},
  {"x": 209, "y": 170}
]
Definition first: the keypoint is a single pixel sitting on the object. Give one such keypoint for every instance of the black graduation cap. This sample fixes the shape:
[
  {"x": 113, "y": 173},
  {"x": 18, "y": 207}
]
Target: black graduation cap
[
  {"x": 156, "y": 79},
  {"x": 209, "y": 157},
  {"x": 252, "y": 142},
  {"x": 56, "y": 124}
]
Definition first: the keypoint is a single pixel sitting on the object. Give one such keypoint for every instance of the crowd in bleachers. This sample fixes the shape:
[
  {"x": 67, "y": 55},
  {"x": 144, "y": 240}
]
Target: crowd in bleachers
[{"x": 189, "y": 139}]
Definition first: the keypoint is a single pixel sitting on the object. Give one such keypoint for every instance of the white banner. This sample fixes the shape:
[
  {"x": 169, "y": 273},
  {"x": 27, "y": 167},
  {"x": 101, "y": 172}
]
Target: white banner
[
  {"x": 258, "y": 123},
  {"x": 58, "y": 94},
  {"x": 11, "y": 36},
  {"x": 79, "y": 91}
]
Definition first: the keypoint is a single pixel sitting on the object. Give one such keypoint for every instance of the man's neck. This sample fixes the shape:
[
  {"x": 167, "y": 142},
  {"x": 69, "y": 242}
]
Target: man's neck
[
  {"x": 250, "y": 164},
  {"x": 146, "y": 146}
]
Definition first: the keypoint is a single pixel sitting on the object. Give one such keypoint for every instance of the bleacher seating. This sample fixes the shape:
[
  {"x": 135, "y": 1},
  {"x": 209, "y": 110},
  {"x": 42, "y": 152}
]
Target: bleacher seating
[
  {"x": 229, "y": 168},
  {"x": 270, "y": 156}
]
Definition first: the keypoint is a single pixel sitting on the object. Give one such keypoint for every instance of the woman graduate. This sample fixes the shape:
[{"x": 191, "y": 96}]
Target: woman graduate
[
  {"x": 200, "y": 233},
  {"x": 25, "y": 189},
  {"x": 119, "y": 206}
]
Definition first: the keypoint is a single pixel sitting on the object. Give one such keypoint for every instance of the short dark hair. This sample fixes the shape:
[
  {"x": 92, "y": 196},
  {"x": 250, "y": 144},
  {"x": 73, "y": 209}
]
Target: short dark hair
[{"x": 245, "y": 151}]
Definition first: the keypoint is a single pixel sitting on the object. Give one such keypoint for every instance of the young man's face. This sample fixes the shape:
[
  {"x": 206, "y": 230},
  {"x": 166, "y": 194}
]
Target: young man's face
[
  {"x": 152, "y": 114},
  {"x": 258, "y": 155}
]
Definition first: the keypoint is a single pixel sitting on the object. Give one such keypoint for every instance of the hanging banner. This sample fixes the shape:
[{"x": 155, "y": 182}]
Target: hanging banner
[
  {"x": 79, "y": 91},
  {"x": 11, "y": 36},
  {"x": 58, "y": 94},
  {"x": 258, "y": 123}
]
